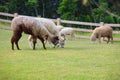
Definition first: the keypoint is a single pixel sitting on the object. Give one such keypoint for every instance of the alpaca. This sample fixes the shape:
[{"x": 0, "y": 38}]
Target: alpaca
[
  {"x": 64, "y": 32},
  {"x": 32, "y": 26},
  {"x": 102, "y": 31},
  {"x": 51, "y": 27},
  {"x": 67, "y": 31}
]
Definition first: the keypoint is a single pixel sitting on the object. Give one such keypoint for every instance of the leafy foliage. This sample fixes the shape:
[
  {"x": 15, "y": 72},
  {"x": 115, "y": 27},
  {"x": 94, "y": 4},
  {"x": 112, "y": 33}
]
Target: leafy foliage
[{"x": 107, "y": 11}]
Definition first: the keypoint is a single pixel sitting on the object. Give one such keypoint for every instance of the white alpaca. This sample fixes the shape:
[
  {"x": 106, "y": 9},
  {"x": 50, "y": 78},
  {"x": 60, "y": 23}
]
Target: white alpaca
[
  {"x": 67, "y": 31},
  {"x": 51, "y": 27}
]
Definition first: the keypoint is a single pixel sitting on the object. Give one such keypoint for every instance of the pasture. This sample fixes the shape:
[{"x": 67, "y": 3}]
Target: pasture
[{"x": 79, "y": 60}]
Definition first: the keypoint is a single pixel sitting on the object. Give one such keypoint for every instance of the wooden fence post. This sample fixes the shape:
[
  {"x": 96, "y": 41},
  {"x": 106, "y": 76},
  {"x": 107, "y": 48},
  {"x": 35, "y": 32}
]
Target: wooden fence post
[
  {"x": 58, "y": 21},
  {"x": 15, "y": 14},
  {"x": 101, "y": 23}
]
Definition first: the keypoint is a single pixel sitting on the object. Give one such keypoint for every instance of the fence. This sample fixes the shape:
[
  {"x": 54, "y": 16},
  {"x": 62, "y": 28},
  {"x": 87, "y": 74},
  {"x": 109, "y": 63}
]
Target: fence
[{"x": 59, "y": 21}]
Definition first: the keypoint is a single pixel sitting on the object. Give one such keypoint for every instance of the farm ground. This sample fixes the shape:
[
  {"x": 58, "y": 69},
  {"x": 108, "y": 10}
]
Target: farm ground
[{"x": 79, "y": 60}]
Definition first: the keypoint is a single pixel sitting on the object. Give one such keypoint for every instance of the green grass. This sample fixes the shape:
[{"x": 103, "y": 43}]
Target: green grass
[
  {"x": 89, "y": 34},
  {"x": 83, "y": 33},
  {"x": 79, "y": 60},
  {"x": 4, "y": 24}
]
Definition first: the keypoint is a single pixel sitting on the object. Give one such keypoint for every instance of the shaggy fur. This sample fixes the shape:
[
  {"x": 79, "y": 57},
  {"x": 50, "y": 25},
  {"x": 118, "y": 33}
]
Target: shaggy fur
[
  {"x": 59, "y": 27},
  {"x": 30, "y": 26},
  {"x": 67, "y": 31},
  {"x": 102, "y": 31},
  {"x": 51, "y": 27}
]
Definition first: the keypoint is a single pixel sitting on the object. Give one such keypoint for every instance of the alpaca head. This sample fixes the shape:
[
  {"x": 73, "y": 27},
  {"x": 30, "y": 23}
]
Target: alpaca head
[
  {"x": 93, "y": 38},
  {"x": 62, "y": 41},
  {"x": 55, "y": 41}
]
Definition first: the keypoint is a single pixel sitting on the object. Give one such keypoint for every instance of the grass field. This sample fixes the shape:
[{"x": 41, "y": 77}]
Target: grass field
[
  {"x": 4, "y": 24},
  {"x": 79, "y": 60}
]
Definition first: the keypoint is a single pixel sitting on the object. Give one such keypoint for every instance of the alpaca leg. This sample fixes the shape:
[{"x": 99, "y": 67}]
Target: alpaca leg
[
  {"x": 16, "y": 41},
  {"x": 42, "y": 40},
  {"x": 45, "y": 39},
  {"x": 99, "y": 38},
  {"x": 108, "y": 39},
  {"x": 104, "y": 39},
  {"x": 49, "y": 43},
  {"x": 111, "y": 39},
  {"x": 43, "y": 43},
  {"x": 12, "y": 46},
  {"x": 34, "y": 42},
  {"x": 72, "y": 35},
  {"x": 30, "y": 41},
  {"x": 12, "y": 42},
  {"x": 37, "y": 44},
  {"x": 31, "y": 44}
]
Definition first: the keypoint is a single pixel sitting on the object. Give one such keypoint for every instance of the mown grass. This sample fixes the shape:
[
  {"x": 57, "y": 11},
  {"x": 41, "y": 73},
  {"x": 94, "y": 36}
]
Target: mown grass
[
  {"x": 79, "y": 60},
  {"x": 4, "y": 24},
  {"x": 89, "y": 34}
]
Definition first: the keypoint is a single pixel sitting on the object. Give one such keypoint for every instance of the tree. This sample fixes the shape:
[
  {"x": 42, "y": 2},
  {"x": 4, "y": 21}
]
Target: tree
[
  {"x": 31, "y": 7},
  {"x": 80, "y": 10},
  {"x": 67, "y": 9}
]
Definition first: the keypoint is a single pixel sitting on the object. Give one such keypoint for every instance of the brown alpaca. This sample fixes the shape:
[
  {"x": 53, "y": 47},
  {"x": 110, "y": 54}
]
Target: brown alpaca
[
  {"x": 30, "y": 26},
  {"x": 102, "y": 31}
]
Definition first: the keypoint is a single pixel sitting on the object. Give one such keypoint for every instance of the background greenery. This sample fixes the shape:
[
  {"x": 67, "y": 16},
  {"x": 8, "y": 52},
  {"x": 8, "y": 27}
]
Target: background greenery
[{"x": 80, "y": 10}]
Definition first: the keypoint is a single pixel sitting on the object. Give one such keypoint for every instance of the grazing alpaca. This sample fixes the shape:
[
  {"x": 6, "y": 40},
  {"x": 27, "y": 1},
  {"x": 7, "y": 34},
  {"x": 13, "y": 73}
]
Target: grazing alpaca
[
  {"x": 67, "y": 31},
  {"x": 64, "y": 32},
  {"x": 102, "y": 31},
  {"x": 32, "y": 26},
  {"x": 51, "y": 27}
]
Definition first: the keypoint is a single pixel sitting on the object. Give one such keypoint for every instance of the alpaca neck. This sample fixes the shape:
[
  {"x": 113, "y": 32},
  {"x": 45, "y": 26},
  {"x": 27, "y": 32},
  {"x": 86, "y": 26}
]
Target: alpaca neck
[{"x": 50, "y": 38}]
